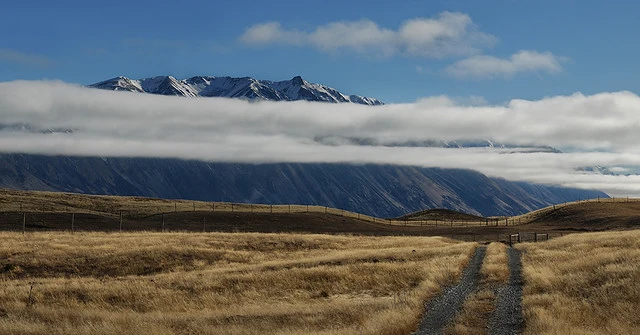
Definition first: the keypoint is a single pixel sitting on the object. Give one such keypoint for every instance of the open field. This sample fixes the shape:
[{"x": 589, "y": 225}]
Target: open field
[
  {"x": 47, "y": 211},
  {"x": 214, "y": 283},
  {"x": 583, "y": 284}
]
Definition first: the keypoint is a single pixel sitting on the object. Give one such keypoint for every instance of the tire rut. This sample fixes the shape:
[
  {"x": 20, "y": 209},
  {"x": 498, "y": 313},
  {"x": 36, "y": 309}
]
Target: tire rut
[
  {"x": 441, "y": 310},
  {"x": 507, "y": 317}
]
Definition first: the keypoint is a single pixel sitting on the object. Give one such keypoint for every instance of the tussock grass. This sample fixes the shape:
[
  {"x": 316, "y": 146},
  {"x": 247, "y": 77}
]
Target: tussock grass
[
  {"x": 475, "y": 313},
  {"x": 583, "y": 284},
  {"x": 179, "y": 283},
  {"x": 495, "y": 268}
]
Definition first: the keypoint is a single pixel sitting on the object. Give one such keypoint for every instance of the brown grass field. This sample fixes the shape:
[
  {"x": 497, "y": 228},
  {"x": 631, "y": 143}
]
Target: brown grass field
[
  {"x": 583, "y": 284},
  {"x": 220, "y": 283},
  {"x": 258, "y": 272}
]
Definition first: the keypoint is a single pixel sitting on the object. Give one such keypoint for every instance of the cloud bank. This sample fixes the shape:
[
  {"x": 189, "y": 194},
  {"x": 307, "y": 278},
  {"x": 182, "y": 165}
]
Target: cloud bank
[
  {"x": 487, "y": 67},
  {"x": 446, "y": 34},
  {"x": 597, "y": 130}
]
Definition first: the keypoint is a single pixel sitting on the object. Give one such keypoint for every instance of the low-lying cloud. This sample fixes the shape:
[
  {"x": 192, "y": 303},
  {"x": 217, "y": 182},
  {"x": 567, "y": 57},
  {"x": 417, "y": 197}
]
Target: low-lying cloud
[
  {"x": 447, "y": 34},
  {"x": 596, "y": 130}
]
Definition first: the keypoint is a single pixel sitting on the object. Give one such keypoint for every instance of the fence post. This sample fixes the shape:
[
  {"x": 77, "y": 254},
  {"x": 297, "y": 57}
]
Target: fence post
[
  {"x": 204, "y": 224},
  {"x": 271, "y": 208},
  {"x": 213, "y": 206},
  {"x": 510, "y": 240},
  {"x": 24, "y": 223},
  {"x": 73, "y": 218},
  {"x": 535, "y": 237},
  {"x": 307, "y": 208},
  {"x": 121, "y": 221},
  {"x": 175, "y": 206},
  {"x": 325, "y": 209},
  {"x": 289, "y": 208},
  {"x": 163, "y": 222},
  {"x": 518, "y": 237},
  {"x": 194, "y": 206}
]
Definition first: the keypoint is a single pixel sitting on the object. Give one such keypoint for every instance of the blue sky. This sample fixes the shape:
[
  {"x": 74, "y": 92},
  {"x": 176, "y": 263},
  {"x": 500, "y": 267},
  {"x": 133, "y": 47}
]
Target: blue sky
[{"x": 498, "y": 50}]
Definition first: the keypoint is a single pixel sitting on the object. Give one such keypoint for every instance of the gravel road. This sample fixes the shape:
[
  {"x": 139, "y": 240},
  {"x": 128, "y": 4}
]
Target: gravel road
[
  {"x": 442, "y": 309},
  {"x": 507, "y": 317}
]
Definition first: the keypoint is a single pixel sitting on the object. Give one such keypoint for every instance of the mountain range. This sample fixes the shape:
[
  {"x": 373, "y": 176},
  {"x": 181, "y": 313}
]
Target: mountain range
[
  {"x": 380, "y": 190},
  {"x": 228, "y": 87}
]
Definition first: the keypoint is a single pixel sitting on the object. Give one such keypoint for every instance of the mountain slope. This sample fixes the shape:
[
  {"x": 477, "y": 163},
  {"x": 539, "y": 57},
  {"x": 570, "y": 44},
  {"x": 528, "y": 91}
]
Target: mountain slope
[
  {"x": 380, "y": 190},
  {"x": 246, "y": 87}
]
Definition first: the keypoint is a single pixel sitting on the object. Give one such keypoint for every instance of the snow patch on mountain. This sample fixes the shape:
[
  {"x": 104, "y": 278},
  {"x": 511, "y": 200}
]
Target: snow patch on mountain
[{"x": 229, "y": 87}]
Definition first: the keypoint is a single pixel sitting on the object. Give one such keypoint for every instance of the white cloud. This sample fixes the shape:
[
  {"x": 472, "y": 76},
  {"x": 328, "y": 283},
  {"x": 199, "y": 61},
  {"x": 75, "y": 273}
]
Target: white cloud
[
  {"x": 22, "y": 58},
  {"x": 602, "y": 130},
  {"x": 483, "y": 66},
  {"x": 446, "y": 34}
]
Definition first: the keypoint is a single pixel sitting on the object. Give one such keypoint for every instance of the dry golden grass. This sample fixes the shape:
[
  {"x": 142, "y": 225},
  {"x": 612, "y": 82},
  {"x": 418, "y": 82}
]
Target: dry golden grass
[
  {"x": 179, "y": 283},
  {"x": 583, "y": 284},
  {"x": 495, "y": 268},
  {"x": 476, "y": 310}
]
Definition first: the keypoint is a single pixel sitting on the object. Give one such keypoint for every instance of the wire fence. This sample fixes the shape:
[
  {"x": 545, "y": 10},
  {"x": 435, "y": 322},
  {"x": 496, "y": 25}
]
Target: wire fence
[{"x": 162, "y": 215}]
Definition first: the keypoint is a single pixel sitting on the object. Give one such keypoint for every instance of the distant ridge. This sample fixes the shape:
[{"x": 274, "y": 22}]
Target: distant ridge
[{"x": 229, "y": 87}]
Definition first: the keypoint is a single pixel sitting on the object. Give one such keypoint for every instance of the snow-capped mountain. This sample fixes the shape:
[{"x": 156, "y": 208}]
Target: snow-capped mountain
[{"x": 246, "y": 87}]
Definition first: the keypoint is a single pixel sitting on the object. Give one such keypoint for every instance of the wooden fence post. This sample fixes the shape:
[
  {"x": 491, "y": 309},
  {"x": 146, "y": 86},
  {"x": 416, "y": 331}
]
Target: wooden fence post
[
  {"x": 24, "y": 223},
  {"x": 121, "y": 221},
  {"x": 175, "y": 206},
  {"x": 163, "y": 222},
  {"x": 518, "y": 237},
  {"x": 73, "y": 219},
  {"x": 204, "y": 224},
  {"x": 194, "y": 206}
]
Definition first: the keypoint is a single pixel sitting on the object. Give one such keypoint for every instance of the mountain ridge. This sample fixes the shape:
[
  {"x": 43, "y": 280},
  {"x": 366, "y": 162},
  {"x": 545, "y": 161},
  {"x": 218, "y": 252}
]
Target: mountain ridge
[
  {"x": 378, "y": 190},
  {"x": 243, "y": 87}
]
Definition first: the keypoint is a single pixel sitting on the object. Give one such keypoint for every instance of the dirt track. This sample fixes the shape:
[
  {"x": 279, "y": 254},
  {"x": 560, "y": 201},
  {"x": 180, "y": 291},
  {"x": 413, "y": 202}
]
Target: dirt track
[
  {"x": 507, "y": 317},
  {"x": 441, "y": 310}
]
